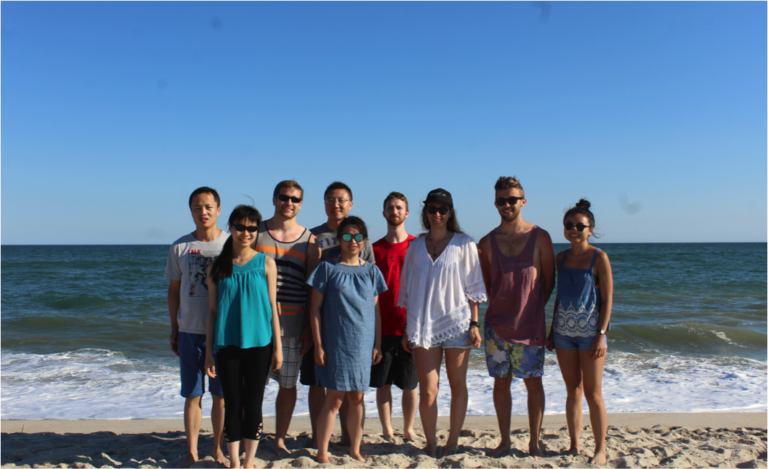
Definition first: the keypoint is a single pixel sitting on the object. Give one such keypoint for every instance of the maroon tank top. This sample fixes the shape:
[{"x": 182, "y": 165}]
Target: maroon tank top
[{"x": 516, "y": 308}]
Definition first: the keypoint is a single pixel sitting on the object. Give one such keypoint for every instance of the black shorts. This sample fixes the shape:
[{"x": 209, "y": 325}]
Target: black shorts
[
  {"x": 396, "y": 366},
  {"x": 307, "y": 377}
]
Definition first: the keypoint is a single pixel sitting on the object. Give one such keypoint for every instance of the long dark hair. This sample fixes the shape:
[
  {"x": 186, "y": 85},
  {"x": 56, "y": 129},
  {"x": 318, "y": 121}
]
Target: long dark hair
[
  {"x": 452, "y": 225},
  {"x": 222, "y": 266}
]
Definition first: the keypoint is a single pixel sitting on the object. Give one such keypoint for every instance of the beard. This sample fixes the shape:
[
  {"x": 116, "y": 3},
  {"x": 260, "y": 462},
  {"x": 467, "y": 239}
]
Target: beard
[
  {"x": 394, "y": 221},
  {"x": 511, "y": 216}
]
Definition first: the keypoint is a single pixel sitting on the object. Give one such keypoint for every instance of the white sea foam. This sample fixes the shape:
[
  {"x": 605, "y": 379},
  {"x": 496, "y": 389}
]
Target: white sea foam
[{"x": 93, "y": 383}]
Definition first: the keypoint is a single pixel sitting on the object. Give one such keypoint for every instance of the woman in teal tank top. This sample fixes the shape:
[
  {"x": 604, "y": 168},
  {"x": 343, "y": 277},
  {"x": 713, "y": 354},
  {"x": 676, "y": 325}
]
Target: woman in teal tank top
[{"x": 244, "y": 330}]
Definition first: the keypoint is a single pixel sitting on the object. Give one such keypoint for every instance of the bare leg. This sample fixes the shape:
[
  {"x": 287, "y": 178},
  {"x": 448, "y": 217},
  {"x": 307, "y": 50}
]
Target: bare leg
[
  {"x": 233, "y": 448},
  {"x": 410, "y": 403},
  {"x": 355, "y": 423},
  {"x": 592, "y": 370},
  {"x": 325, "y": 422},
  {"x": 502, "y": 402},
  {"x": 316, "y": 398},
  {"x": 456, "y": 363},
  {"x": 570, "y": 368},
  {"x": 536, "y": 402},
  {"x": 428, "y": 363},
  {"x": 217, "y": 420},
  {"x": 384, "y": 403},
  {"x": 343, "y": 419},
  {"x": 284, "y": 405},
  {"x": 251, "y": 446},
  {"x": 193, "y": 416}
]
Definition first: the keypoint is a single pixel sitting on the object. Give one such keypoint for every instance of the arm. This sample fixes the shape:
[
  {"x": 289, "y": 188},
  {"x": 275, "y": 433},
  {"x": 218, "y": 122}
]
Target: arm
[
  {"x": 210, "y": 330},
  {"x": 315, "y": 324},
  {"x": 402, "y": 296},
  {"x": 277, "y": 351},
  {"x": 484, "y": 253},
  {"x": 551, "y": 336},
  {"x": 547, "y": 263},
  {"x": 474, "y": 331},
  {"x": 604, "y": 273},
  {"x": 377, "y": 340},
  {"x": 174, "y": 301},
  {"x": 313, "y": 258}
]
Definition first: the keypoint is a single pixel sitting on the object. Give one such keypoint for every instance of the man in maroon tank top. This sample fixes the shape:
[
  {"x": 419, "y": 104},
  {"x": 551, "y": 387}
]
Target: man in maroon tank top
[{"x": 518, "y": 264}]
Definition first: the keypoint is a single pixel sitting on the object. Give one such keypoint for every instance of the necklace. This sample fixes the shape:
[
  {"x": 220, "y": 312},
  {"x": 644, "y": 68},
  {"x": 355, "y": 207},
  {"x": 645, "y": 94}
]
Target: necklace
[{"x": 436, "y": 245}]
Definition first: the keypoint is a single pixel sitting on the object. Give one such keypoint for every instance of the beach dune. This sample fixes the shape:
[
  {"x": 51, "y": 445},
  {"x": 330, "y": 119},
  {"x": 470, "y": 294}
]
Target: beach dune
[{"x": 634, "y": 440}]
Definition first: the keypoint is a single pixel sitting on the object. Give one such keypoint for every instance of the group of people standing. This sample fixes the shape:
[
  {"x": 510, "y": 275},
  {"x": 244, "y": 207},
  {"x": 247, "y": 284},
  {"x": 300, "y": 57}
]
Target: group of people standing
[{"x": 328, "y": 308}]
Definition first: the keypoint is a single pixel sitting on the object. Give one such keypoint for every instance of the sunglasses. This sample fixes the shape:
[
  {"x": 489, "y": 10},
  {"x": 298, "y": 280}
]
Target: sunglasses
[
  {"x": 581, "y": 226},
  {"x": 286, "y": 198},
  {"x": 432, "y": 209},
  {"x": 241, "y": 228},
  {"x": 501, "y": 201},
  {"x": 348, "y": 237}
]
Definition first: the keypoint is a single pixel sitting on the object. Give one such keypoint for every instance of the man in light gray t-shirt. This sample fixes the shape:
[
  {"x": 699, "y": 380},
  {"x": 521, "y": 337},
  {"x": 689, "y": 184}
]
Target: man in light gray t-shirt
[{"x": 188, "y": 261}]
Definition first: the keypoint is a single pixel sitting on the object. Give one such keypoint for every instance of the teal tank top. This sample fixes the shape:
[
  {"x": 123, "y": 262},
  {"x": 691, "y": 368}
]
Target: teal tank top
[{"x": 244, "y": 316}]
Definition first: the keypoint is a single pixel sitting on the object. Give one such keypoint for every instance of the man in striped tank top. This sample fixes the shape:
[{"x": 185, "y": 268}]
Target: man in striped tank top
[{"x": 296, "y": 253}]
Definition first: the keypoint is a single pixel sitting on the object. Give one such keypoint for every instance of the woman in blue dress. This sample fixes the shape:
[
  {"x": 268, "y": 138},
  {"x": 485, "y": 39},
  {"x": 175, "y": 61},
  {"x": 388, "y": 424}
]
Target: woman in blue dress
[
  {"x": 582, "y": 315},
  {"x": 244, "y": 329},
  {"x": 344, "y": 315}
]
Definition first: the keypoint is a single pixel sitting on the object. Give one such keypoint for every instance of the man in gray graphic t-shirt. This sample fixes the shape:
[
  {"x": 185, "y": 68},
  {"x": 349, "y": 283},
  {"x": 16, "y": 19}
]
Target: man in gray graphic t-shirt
[{"x": 188, "y": 259}]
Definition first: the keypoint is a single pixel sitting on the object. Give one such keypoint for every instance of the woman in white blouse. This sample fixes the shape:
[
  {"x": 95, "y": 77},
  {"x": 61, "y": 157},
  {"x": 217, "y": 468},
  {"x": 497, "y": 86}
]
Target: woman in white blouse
[{"x": 441, "y": 287}]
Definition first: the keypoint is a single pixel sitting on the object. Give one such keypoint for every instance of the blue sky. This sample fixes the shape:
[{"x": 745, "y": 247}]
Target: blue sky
[{"x": 112, "y": 113}]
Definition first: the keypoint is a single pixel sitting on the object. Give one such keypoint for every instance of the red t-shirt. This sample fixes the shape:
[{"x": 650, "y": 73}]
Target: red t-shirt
[{"x": 389, "y": 259}]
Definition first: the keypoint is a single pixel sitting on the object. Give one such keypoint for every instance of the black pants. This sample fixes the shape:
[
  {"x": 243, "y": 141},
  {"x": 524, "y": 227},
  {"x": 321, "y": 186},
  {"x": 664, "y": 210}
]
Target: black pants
[{"x": 244, "y": 374}]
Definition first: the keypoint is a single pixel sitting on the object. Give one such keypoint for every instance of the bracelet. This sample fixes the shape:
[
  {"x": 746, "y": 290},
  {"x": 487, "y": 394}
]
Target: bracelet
[{"x": 474, "y": 324}]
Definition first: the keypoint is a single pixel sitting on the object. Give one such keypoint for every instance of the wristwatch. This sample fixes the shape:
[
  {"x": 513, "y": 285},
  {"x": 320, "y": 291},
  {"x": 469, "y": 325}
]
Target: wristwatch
[
  {"x": 474, "y": 324},
  {"x": 602, "y": 331}
]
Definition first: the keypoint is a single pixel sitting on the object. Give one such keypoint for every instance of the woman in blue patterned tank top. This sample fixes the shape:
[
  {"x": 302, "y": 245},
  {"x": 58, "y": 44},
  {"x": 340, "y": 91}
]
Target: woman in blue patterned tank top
[
  {"x": 244, "y": 329},
  {"x": 580, "y": 322}
]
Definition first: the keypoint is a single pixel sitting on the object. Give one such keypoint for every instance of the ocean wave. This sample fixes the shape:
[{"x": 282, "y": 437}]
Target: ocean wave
[{"x": 99, "y": 383}]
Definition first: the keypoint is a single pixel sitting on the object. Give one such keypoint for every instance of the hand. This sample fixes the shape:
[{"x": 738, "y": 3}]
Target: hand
[
  {"x": 550, "y": 342},
  {"x": 306, "y": 341},
  {"x": 319, "y": 355},
  {"x": 407, "y": 344},
  {"x": 376, "y": 355},
  {"x": 277, "y": 359},
  {"x": 175, "y": 341},
  {"x": 474, "y": 335},
  {"x": 210, "y": 366},
  {"x": 599, "y": 348}
]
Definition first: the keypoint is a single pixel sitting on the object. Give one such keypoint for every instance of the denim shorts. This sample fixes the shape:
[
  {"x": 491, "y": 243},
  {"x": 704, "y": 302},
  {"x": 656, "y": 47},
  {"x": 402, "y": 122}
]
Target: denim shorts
[
  {"x": 192, "y": 364},
  {"x": 575, "y": 343},
  {"x": 463, "y": 340}
]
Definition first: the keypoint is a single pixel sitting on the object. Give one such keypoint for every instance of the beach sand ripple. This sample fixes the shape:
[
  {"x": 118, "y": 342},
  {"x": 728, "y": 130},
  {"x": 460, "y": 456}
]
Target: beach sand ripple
[{"x": 628, "y": 446}]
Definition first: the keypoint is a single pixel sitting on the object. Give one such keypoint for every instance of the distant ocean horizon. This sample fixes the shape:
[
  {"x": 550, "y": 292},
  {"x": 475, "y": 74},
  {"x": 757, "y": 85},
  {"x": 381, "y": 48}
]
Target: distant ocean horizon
[{"x": 85, "y": 334}]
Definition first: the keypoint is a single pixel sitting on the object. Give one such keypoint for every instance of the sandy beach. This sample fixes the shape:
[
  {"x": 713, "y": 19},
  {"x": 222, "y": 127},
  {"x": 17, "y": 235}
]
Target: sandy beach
[{"x": 634, "y": 440}]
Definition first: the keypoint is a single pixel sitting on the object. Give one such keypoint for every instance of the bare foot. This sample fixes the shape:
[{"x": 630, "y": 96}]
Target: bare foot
[
  {"x": 219, "y": 457},
  {"x": 357, "y": 456},
  {"x": 388, "y": 437},
  {"x": 502, "y": 449},
  {"x": 450, "y": 450},
  {"x": 409, "y": 435},
  {"x": 431, "y": 449},
  {"x": 535, "y": 451},
  {"x": 573, "y": 451},
  {"x": 322, "y": 458},
  {"x": 189, "y": 460},
  {"x": 599, "y": 458},
  {"x": 281, "y": 451}
]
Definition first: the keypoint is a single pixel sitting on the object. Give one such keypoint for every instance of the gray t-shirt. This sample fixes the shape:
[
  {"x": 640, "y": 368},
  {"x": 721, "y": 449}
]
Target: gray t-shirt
[
  {"x": 188, "y": 261},
  {"x": 329, "y": 244}
]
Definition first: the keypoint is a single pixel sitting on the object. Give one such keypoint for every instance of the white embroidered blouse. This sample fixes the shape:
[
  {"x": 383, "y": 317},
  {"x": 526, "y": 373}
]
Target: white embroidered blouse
[{"x": 435, "y": 294}]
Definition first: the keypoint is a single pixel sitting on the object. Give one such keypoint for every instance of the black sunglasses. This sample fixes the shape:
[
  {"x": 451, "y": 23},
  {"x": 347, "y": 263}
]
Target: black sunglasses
[
  {"x": 501, "y": 201},
  {"x": 348, "y": 237},
  {"x": 250, "y": 229},
  {"x": 286, "y": 198},
  {"x": 432, "y": 209},
  {"x": 581, "y": 226}
]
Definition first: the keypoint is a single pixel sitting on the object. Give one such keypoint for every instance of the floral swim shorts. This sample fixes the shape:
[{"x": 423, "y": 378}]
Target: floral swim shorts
[{"x": 504, "y": 358}]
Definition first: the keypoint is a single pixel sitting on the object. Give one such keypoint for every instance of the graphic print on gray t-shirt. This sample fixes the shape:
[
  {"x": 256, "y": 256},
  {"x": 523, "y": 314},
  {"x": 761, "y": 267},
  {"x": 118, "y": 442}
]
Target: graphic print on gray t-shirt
[
  {"x": 329, "y": 244},
  {"x": 188, "y": 261}
]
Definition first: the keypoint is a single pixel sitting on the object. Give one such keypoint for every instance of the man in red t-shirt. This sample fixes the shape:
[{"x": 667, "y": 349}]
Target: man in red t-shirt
[{"x": 397, "y": 365}]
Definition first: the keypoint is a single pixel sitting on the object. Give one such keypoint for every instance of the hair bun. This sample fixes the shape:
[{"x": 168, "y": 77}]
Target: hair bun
[{"x": 583, "y": 203}]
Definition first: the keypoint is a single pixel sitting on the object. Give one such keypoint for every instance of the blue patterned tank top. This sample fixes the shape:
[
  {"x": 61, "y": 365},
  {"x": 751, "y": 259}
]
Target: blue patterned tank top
[
  {"x": 244, "y": 313},
  {"x": 578, "y": 301}
]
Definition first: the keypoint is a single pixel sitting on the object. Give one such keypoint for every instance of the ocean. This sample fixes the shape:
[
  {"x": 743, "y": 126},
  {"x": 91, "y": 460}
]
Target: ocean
[{"x": 85, "y": 335}]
